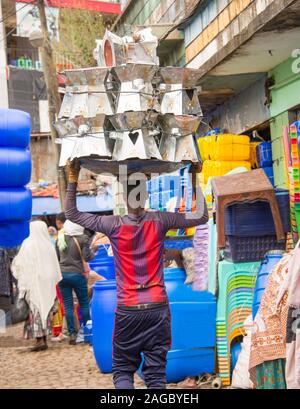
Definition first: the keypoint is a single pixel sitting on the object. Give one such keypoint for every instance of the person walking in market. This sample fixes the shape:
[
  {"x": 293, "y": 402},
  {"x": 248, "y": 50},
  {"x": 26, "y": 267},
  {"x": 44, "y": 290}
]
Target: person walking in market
[
  {"x": 73, "y": 250},
  {"x": 142, "y": 318},
  {"x": 6, "y": 282},
  {"x": 37, "y": 272}
]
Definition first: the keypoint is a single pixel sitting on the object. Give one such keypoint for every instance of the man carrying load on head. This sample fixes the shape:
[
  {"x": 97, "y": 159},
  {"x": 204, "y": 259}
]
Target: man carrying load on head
[{"x": 142, "y": 318}]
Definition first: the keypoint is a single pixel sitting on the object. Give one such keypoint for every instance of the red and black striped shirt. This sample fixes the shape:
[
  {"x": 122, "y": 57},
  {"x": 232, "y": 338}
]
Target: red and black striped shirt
[{"x": 137, "y": 244}]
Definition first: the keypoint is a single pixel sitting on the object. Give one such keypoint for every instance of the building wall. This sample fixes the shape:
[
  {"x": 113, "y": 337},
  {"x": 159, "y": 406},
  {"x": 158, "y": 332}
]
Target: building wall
[
  {"x": 243, "y": 111},
  {"x": 285, "y": 93},
  {"x": 285, "y": 98},
  {"x": 276, "y": 126},
  {"x": 216, "y": 24},
  {"x": 43, "y": 164}
]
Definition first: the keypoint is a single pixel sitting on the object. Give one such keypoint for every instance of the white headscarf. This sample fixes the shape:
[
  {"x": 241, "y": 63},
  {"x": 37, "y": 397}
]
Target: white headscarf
[
  {"x": 37, "y": 270},
  {"x": 69, "y": 229},
  {"x": 73, "y": 229}
]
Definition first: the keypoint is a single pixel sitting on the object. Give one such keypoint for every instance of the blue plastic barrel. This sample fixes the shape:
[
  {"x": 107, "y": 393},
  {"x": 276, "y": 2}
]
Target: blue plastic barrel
[
  {"x": 103, "y": 310},
  {"x": 15, "y": 204},
  {"x": 270, "y": 260},
  {"x": 14, "y": 128},
  {"x": 104, "y": 266},
  {"x": 236, "y": 348},
  {"x": 15, "y": 166},
  {"x": 101, "y": 252},
  {"x": 13, "y": 233}
]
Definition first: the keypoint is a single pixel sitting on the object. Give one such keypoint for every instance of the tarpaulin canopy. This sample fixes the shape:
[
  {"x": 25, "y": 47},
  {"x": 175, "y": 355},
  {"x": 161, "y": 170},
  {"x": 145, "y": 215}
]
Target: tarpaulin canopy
[{"x": 47, "y": 206}]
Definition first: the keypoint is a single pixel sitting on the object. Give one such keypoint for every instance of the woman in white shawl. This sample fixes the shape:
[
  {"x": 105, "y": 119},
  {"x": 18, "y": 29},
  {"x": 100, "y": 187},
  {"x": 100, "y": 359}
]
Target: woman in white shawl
[{"x": 37, "y": 270}]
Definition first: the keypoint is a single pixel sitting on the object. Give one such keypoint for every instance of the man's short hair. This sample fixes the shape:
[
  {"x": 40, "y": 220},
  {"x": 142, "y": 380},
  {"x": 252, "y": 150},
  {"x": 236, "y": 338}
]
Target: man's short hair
[{"x": 61, "y": 217}]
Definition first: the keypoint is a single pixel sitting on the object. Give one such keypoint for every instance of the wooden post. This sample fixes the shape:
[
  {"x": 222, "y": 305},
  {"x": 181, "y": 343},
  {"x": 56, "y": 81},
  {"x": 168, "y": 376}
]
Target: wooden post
[
  {"x": 3, "y": 64},
  {"x": 53, "y": 96}
]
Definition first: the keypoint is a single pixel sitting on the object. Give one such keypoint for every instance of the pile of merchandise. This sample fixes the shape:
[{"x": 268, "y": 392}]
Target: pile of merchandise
[{"x": 129, "y": 110}]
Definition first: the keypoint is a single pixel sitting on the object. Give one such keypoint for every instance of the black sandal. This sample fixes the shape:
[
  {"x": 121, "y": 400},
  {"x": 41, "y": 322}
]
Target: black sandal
[{"x": 38, "y": 348}]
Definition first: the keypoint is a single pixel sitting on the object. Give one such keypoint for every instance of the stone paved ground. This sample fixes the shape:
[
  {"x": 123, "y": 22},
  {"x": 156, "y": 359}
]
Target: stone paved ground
[{"x": 61, "y": 366}]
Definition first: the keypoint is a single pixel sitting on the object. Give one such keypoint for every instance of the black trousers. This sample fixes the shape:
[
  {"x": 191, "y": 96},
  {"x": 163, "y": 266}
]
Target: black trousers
[{"x": 141, "y": 331}]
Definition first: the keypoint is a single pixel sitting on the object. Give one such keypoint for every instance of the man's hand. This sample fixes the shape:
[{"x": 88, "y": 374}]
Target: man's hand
[{"x": 73, "y": 170}]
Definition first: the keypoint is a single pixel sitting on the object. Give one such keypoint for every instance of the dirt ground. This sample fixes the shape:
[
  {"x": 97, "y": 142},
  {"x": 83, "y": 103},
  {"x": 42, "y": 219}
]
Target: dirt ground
[{"x": 62, "y": 366}]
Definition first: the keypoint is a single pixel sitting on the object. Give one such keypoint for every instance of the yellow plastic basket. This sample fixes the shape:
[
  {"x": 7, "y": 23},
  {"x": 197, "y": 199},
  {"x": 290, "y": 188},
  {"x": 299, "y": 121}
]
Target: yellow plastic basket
[
  {"x": 225, "y": 147},
  {"x": 213, "y": 168}
]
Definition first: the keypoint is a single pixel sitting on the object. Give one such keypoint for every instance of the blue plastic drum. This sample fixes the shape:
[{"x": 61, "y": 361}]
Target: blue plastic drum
[
  {"x": 104, "y": 266},
  {"x": 103, "y": 315},
  {"x": 13, "y": 233},
  {"x": 15, "y": 167},
  {"x": 15, "y": 204},
  {"x": 14, "y": 128}
]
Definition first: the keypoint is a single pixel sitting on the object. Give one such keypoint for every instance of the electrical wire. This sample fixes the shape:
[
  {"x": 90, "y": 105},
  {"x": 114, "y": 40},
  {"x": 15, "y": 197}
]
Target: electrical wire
[
  {"x": 15, "y": 11},
  {"x": 13, "y": 29}
]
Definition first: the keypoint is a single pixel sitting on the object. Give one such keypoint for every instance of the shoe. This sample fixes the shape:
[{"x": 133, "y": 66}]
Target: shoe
[
  {"x": 72, "y": 340},
  {"x": 80, "y": 336},
  {"x": 38, "y": 348},
  {"x": 59, "y": 338}
]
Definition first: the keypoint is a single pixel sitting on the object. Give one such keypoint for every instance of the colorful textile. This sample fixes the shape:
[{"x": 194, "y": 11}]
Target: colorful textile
[
  {"x": 271, "y": 375},
  {"x": 5, "y": 278},
  {"x": 201, "y": 258},
  {"x": 138, "y": 245},
  {"x": 293, "y": 322},
  {"x": 34, "y": 327},
  {"x": 268, "y": 341},
  {"x": 37, "y": 270}
]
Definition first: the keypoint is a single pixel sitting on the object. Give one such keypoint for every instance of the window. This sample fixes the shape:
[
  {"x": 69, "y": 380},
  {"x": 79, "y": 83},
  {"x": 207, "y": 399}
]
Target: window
[
  {"x": 205, "y": 17},
  {"x": 212, "y": 10},
  {"x": 222, "y": 4}
]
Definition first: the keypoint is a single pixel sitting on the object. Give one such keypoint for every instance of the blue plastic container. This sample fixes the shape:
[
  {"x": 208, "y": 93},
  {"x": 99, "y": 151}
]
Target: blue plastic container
[
  {"x": 14, "y": 128},
  {"x": 193, "y": 327},
  {"x": 244, "y": 249},
  {"x": 159, "y": 200},
  {"x": 103, "y": 311},
  {"x": 236, "y": 348},
  {"x": 15, "y": 204},
  {"x": 102, "y": 252},
  {"x": 164, "y": 183},
  {"x": 13, "y": 233},
  {"x": 255, "y": 219},
  {"x": 165, "y": 187},
  {"x": 179, "y": 244},
  {"x": 267, "y": 265},
  {"x": 88, "y": 333},
  {"x": 269, "y": 172},
  {"x": 15, "y": 167},
  {"x": 264, "y": 154},
  {"x": 105, "y": 267}
]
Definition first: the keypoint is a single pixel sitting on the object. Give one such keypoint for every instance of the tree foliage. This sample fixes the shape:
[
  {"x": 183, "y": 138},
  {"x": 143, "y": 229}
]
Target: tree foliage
[{"x": 78, "y": 30}]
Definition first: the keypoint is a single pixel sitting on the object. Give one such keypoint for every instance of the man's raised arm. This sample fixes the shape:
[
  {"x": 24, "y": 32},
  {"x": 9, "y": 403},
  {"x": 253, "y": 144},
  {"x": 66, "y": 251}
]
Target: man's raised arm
[{"x": 102, "y": 224}]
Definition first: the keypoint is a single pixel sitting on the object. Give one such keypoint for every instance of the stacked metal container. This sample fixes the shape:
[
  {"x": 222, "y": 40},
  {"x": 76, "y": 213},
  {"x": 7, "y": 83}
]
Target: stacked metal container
[{"x": 131, "y": 111}]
